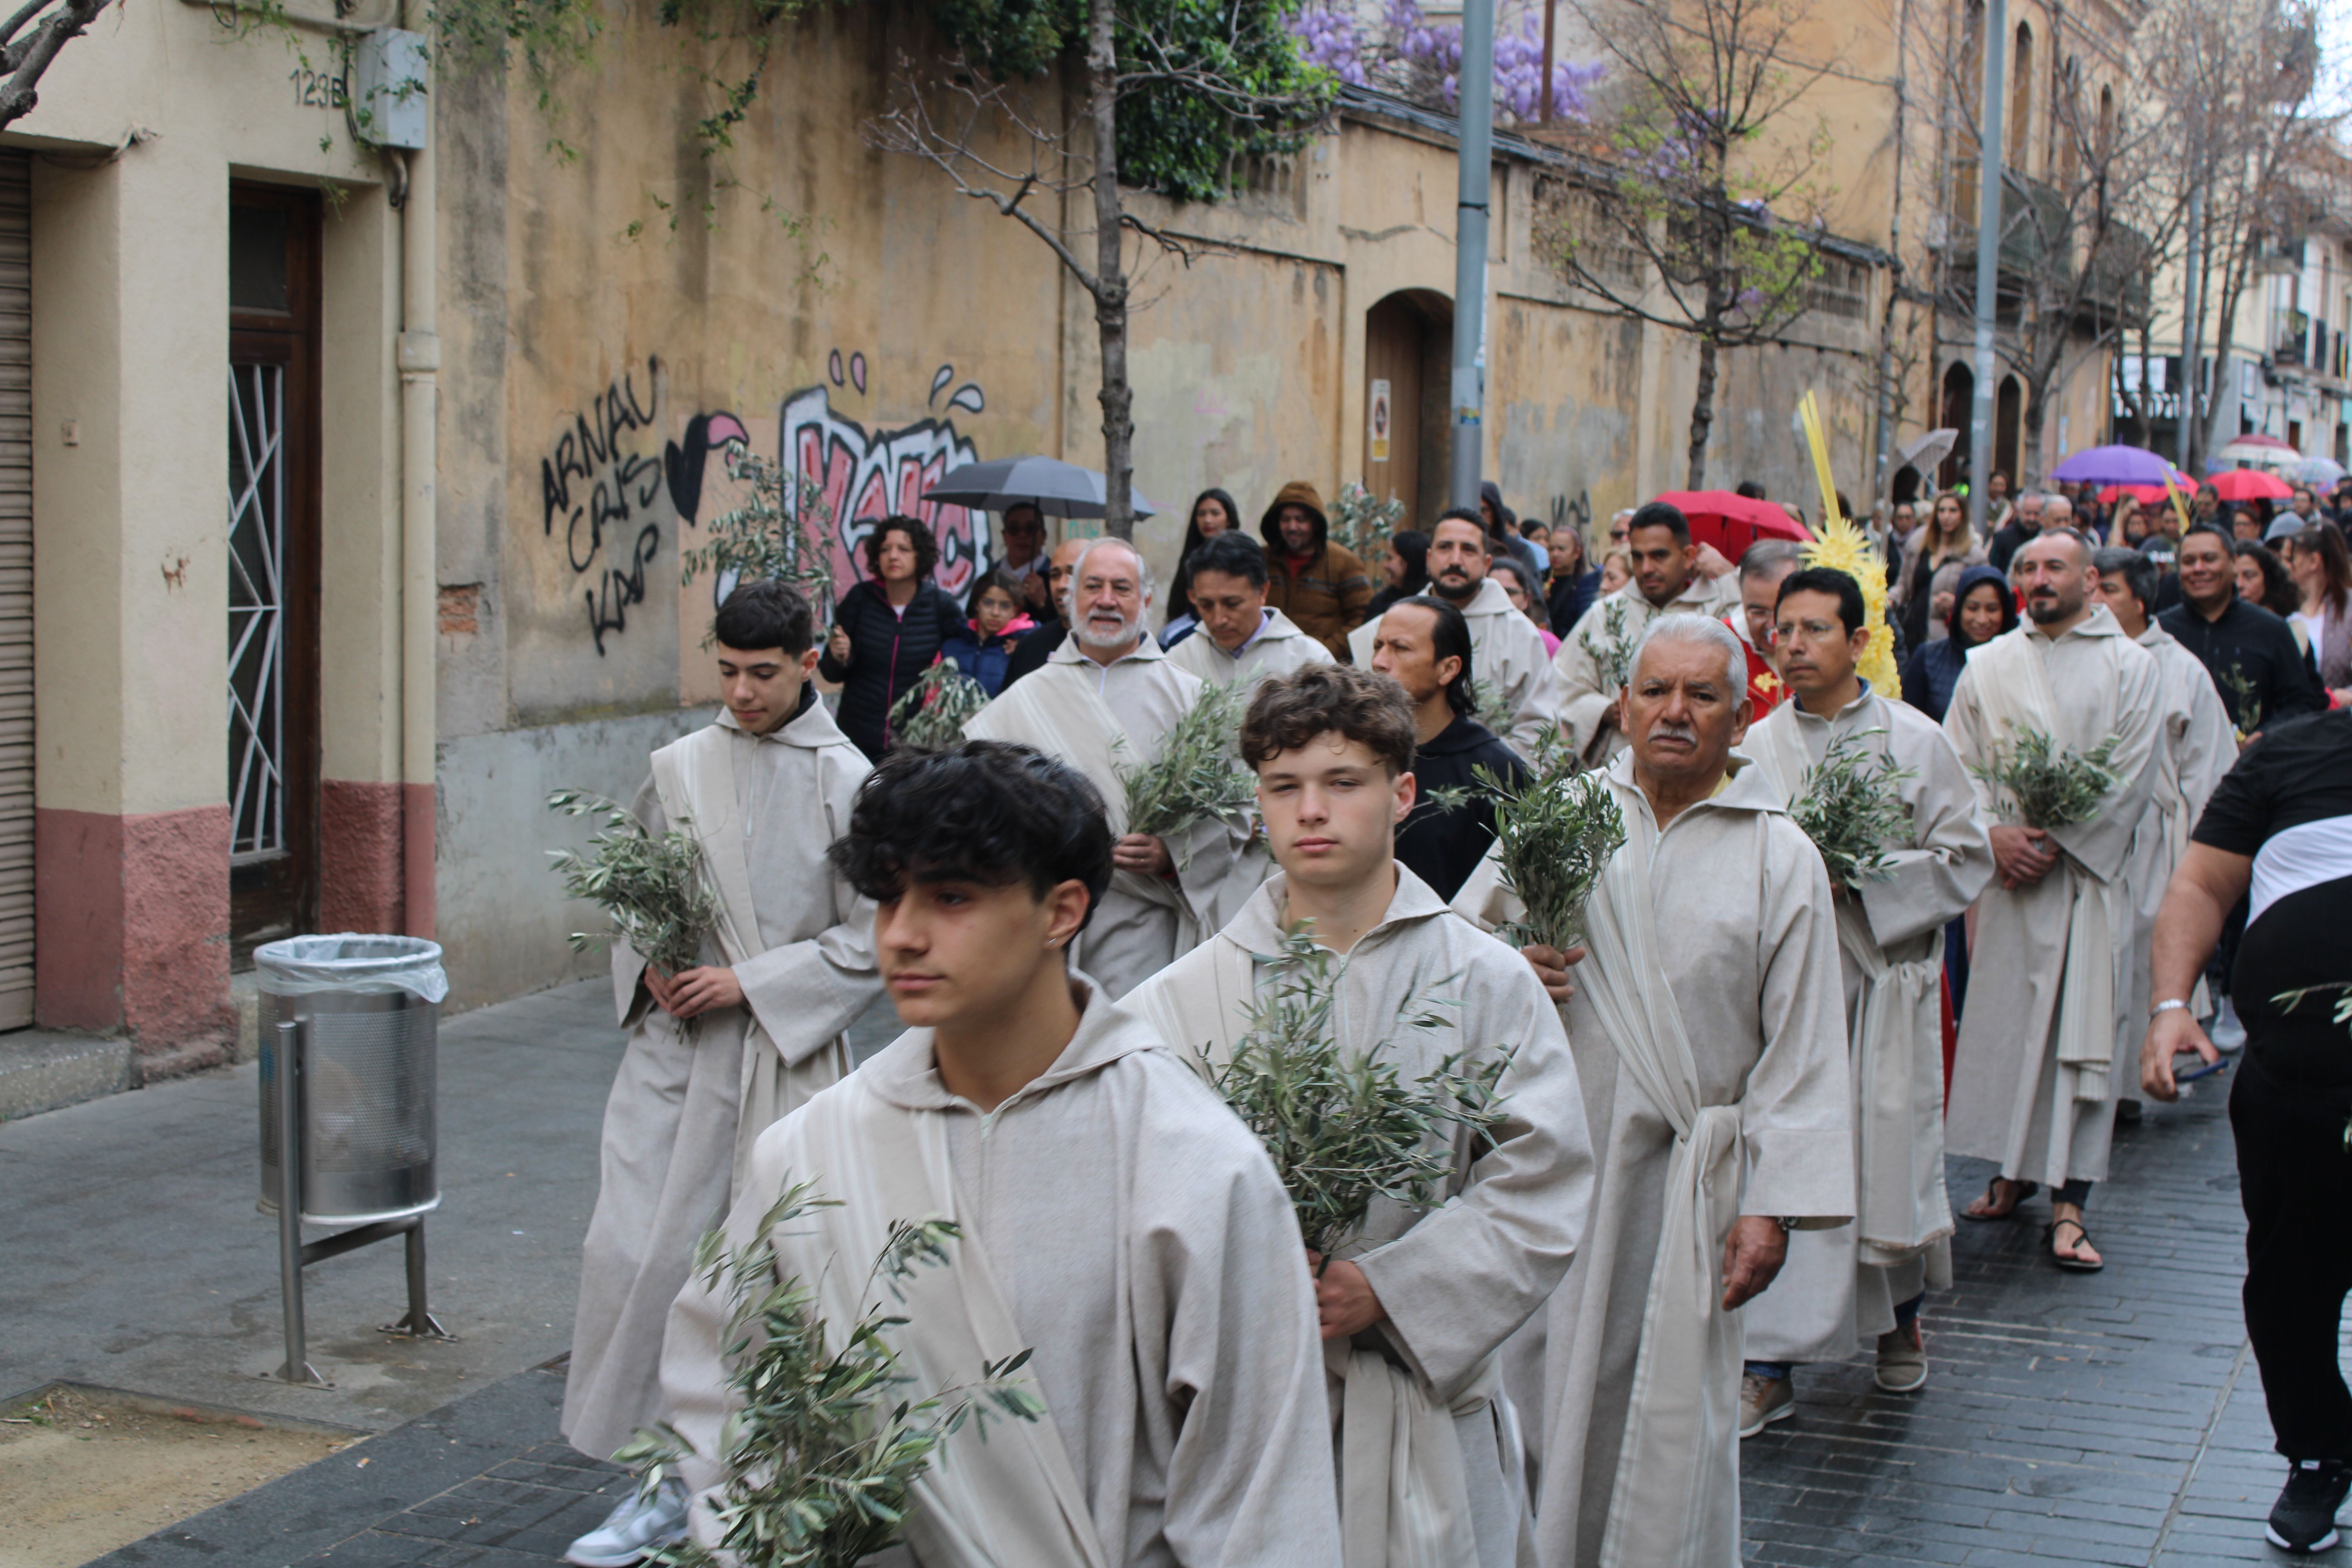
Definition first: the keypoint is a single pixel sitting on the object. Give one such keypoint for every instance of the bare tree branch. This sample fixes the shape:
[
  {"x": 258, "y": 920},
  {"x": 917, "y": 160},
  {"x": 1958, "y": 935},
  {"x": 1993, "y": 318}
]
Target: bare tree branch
[{"x": 24, "y": 60}]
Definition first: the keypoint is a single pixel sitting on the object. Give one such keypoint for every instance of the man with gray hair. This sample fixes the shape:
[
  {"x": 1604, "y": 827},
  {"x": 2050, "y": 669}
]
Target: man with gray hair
[
  {"x": 1763, "y": 567},
  {"x": 1104, "y": 702},
  {"x": 1714, "y": 1071}
]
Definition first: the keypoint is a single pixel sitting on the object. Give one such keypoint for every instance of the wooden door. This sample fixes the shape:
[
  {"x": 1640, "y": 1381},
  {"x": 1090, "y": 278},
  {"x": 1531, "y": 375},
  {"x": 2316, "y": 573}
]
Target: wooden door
[
  {"x": 1393, "y": 330},
  {"x": 273, "y": 592}
]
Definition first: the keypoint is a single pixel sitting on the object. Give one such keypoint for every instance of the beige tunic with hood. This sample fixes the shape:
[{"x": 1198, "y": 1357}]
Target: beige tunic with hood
[
  {"x": 1746, "y": 949},
  {"x": 1840, "y": 1287},
  {"x": 1119, "y": 1221},
  {"x": 2196, "y": 748},
  {"x": 692, "y": 1100},
  {"x": 1507, "y": 658},
  {"x": 1458, "y": 1280},
  {"x": 2032, "y": 1078},
  {"x": 1278, "y": 648},
  {"x": 1576, "y": 668},
  {"x": 1105, "y": 721}
]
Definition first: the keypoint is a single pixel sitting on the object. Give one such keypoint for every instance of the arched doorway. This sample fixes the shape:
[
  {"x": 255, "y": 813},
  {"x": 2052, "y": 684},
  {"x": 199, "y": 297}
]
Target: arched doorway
[
  {"x": 1408, "y": 357},
  {"x": 1960, "y": 393},
  {"x": 2007, "y": 425}
]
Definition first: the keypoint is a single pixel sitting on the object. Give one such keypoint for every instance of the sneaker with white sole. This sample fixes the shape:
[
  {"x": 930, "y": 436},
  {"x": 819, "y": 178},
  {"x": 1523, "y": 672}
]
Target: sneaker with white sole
[
  {"x": 1764, "y": 1400},
  {"x": 637, "y": 1527},
  {"x": 2303, "y": 1518},
  {"x": 1902, "y": 1360},
  {"x": 2228, "y": 1035}
]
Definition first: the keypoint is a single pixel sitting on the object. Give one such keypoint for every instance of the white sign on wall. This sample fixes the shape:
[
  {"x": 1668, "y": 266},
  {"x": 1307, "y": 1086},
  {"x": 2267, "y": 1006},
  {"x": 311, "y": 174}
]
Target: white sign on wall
[{"x": 1380, "y": 422}]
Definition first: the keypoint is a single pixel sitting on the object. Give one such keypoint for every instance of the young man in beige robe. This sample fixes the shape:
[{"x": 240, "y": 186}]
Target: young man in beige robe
[
  {"x": 1241, "y": 638},
  {"x": 1515, "y": 673},
  {"x": 1104, "y": 702},
  {"x": 1416, "y": 1306},
  {"x": 717, "y": 1052},
  {"x": 2033, "y": 1076},
  {"x": 1710, "y": 1048},
  {"x": 1666, "y": 581},
  {"x": 2196, "y": 747},
  {"x": 1114, "y": 1217},
  {"x": 1866, "y": 1281}
]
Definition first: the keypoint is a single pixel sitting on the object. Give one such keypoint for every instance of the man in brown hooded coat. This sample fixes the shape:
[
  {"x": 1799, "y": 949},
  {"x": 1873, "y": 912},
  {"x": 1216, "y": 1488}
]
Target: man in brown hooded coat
[{"x": 1321, "y": 585}]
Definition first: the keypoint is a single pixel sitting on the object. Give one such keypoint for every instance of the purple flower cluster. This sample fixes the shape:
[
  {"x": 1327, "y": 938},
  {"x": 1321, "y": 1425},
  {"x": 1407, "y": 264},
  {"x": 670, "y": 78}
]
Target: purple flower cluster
[{"x": 1409, "y": 54}]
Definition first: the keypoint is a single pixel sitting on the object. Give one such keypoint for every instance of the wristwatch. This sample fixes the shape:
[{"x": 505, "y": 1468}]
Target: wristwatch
[
  {"x": 2170, "y": 1004},
  {"x": 1789, "y": 1222}
]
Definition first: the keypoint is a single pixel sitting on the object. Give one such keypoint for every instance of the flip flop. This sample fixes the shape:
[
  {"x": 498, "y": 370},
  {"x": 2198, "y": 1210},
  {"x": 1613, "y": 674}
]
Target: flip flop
[
  {"x": 2025, "y": 1191},
  {"x": 2071, "y": 1265}
]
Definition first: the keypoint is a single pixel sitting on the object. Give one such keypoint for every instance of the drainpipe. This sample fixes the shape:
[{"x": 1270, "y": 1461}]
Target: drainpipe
[{"x": 420, "y": 365}]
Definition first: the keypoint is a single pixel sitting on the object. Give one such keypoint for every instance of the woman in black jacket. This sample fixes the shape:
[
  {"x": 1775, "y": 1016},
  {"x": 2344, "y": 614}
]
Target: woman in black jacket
[{"x": 888, "y": 630}]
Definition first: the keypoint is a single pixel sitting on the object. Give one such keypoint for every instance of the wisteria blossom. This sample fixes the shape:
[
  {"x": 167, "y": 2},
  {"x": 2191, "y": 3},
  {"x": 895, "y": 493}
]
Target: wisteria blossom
[{"x": 1405, "y": 53}]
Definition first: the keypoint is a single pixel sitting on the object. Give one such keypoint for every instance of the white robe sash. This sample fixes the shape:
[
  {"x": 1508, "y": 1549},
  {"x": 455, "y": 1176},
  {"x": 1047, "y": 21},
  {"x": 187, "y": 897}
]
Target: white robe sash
[
  {"x": 1012, "y": 1500},
  {"x": 2016, "y": 696},
  {"x": 1902, "y": 1204},
  {"x": 1671, "y": 1507}
]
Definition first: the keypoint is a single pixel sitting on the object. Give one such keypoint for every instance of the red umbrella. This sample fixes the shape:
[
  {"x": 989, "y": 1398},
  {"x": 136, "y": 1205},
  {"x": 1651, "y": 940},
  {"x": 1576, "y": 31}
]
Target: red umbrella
[
  {"x": 2147, "y": 495},
  {"x": 2250, "y": 484},
  {"x": 1731, "y": 522}
]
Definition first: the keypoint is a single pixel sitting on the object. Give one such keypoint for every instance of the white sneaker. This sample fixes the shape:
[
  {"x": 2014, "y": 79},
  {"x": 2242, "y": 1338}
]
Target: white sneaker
[
  {"x": 638, "y": 1526},
  {"x": 2228, "y": 1035},
  {"x": 1764, "y": 1400}
]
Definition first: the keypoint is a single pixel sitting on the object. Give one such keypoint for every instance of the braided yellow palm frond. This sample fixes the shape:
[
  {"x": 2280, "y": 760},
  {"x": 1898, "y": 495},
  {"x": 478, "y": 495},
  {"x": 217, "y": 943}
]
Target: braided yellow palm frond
[{"x": 1839, "y": 544}]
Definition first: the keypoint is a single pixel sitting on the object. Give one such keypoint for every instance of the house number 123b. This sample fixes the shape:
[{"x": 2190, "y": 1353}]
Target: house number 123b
[{"x": 317, "y": 90}]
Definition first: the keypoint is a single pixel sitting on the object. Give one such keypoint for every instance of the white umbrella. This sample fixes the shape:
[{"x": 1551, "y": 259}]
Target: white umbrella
[{"x": 2258, "y": 452}]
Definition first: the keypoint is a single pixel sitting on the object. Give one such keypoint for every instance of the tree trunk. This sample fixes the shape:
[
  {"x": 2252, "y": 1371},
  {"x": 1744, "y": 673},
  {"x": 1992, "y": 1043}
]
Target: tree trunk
[
  {"x": 1702, "y": 408},
  {"x": 1110, "y": 273}
]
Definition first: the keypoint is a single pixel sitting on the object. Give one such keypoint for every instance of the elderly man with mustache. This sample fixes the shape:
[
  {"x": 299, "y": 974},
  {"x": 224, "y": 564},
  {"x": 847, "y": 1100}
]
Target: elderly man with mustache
[
  {"x": 1104, "y": 702},
  {"x": 1708, "y": 1028}
]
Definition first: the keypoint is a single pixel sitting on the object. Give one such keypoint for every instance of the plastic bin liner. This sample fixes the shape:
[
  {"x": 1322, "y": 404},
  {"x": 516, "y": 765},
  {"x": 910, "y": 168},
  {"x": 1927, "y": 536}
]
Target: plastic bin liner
[{"x": 352, "y": 962}]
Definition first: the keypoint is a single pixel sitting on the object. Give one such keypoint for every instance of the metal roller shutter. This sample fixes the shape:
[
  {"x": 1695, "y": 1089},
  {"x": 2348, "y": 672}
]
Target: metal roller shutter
[{"x": 16, "y": 591}]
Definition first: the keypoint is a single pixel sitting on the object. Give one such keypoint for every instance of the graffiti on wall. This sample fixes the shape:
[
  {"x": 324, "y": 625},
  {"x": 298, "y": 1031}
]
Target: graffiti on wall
[
  {"x": 600, "y": 498},
  {"x": 868, "y": 475},
  {"x": 1576, "y": 514}
]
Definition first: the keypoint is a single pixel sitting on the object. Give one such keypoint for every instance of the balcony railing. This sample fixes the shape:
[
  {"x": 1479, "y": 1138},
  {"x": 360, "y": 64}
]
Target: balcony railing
[{"x": 2039, "y": 241}]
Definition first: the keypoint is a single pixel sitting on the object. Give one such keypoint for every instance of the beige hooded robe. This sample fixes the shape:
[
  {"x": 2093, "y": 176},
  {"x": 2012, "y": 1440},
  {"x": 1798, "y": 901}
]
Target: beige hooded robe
[
  {"x": 1745, "y": 946},
  {"x": 2032, "y": 1078},
  {"x": 1278, "y": 648},
  {"x": 1507, "y": 661},
  {"x": 1120, "y": 1222},
  {"x": 1105, "y": 721},
  {"x": 1458, "y": 1280},
  {"x": 1840, "y": 1287},
  {"x": 1577, "y": 667},
  {"x": 689, "y": 1101}
]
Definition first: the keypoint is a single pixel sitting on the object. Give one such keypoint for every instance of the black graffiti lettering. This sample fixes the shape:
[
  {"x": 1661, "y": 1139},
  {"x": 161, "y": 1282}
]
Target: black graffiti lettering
[
  {"x": 1577, "y": 513},
  {"x": 592, "y": 443},
  {"x": 609, "y": 601}
]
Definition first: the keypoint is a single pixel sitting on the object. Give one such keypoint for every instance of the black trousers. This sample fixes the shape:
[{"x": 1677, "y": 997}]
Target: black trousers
[{"x": 2295, "y": 1181}]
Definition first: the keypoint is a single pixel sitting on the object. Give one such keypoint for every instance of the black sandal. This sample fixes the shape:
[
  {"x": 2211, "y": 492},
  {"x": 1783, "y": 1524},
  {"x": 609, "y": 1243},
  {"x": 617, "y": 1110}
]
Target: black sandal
[
  {"x": 2025, "y": 1191},
  {"x": 2071, "y": 1265}
]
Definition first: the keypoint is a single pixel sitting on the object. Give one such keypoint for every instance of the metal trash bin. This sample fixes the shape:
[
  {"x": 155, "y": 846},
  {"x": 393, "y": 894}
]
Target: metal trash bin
[
  {"x": 347, "y": 1133},
  {"x": 366, "y": 1006}
]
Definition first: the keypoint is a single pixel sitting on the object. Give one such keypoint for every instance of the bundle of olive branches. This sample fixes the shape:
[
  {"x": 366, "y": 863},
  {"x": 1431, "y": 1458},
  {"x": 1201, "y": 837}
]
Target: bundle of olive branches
[
  {"x": 1554, "y": 835},
  {"x": 823, "y": 1453},
  {"x": 769, "y": 539},
  {"x": 1612, "y": 652},
  {"x": 1197, "y": 773},
  {"x": 1345, "y": 1127},
  {"x": 1849, "y": 809},
  {"x": 930, "y": 716},
  {"x": 1491, "y": 706},
  {"x": 1361, "y": 521},
  {"x": 2051, "y": 787},
  {"x": 651, "y": 884}
]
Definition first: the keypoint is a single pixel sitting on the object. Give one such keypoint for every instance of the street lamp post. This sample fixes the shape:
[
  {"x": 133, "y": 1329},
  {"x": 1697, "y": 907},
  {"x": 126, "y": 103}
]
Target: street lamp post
[
  {"x": 1469, "y": 391},
  {"x": 1988, "y": 182}
]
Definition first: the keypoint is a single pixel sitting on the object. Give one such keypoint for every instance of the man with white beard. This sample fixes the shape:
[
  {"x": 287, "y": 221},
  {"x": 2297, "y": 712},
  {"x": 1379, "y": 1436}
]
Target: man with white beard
[
  {"x": 1505, "y": 646},
  {"x": 1710, "y": 1048},
  {"x": 1104, "y": 702},
  {"x": 1868, "y": 1280}
]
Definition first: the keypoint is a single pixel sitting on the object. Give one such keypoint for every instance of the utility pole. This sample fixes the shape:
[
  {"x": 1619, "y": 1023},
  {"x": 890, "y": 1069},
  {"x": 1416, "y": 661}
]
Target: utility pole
[
  {"x": 1989, "y": 182},
  {"x": 2191, "y": 324},
  {"x": 1477, "y": 107}
]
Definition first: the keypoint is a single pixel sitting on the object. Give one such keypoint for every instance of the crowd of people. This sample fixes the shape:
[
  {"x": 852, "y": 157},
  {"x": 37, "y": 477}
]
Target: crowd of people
[{"x": 1718, "y": 1149}]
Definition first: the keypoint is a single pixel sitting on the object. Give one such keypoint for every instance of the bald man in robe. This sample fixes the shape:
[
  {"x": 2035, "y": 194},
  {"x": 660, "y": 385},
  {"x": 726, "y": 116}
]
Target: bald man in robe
[{"x": 1104, "y": 702}]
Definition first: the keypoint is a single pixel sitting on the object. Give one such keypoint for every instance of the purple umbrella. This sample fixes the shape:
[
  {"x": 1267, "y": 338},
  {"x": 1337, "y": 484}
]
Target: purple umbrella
[{"x": 2118, "y": 466}]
